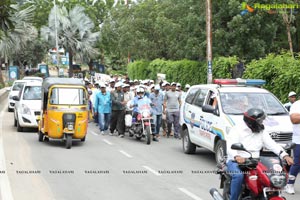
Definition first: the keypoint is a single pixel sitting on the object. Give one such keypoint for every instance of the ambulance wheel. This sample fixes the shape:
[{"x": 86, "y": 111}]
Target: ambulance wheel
[{"x": 187, "y": 145}]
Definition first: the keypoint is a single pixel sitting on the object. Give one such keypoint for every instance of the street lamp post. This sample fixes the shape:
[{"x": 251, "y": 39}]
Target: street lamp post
[{"x": 56, "y": 38}]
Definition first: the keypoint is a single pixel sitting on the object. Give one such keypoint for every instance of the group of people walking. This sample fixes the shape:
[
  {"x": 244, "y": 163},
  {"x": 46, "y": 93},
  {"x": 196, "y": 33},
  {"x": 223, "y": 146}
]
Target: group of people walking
[{"x": 110, "y": 102}]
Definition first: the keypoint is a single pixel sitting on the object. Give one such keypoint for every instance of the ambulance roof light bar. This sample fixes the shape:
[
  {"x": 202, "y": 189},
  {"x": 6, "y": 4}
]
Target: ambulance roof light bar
[{"x": 239, "y": 81}]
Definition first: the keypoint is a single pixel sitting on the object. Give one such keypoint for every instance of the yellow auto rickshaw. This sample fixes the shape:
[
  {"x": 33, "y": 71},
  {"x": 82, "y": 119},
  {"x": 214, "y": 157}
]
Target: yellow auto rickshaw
[{"x": 64, "y": 113}]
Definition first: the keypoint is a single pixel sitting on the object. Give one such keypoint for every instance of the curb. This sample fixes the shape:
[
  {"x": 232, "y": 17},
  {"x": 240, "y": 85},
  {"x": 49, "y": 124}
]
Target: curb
[{"x": 3, "y": 91}]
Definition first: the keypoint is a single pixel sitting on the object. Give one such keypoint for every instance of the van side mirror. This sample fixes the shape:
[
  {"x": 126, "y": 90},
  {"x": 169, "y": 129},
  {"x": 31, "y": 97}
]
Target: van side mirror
[
  {"x": 210, "y": 109},
  {"x": 16, "y": 98},
  {"x": 238, "y": 146},
  {"x": 289, "y": 146}
]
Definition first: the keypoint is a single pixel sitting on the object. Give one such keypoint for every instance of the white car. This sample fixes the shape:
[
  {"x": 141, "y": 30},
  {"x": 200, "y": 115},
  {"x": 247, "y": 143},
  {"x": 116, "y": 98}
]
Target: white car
[
  {"x": 35, "y": 78},
  {"x": 209, "y": 111},
  {"x": 28, "y": 105},
  {"x": 14, "y": 91}
]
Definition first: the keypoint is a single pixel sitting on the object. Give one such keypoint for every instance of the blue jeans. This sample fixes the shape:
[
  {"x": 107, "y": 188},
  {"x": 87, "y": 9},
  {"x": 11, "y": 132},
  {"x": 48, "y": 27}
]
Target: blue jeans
[
  {"x": 157, "y": 123},
  {"x": 295, "y": 168},
  {"x": 104, "y": 120},
  {"x": 237, "y": 179}
]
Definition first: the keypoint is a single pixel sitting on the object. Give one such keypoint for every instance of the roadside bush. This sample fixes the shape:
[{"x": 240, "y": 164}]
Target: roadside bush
[
  {"x": 281, "y": 73},
  {"x": 223, "y": 67}
]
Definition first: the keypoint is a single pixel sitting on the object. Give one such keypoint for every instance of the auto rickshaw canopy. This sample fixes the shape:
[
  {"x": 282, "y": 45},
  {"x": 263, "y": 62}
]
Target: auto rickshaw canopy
[{"x": 48, "y": 82}]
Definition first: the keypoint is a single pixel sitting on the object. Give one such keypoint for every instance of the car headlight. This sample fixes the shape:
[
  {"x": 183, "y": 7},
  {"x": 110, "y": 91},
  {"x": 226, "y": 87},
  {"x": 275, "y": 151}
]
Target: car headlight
[
  {"x": 26, "y": 110},
  {"x": 278, "y": 180}
]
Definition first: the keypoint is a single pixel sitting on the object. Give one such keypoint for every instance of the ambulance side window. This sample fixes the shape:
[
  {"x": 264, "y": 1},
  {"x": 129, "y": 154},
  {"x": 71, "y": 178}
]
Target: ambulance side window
[
  {"x": 191, "y": 95},
  {"x": 199, "y": 100}
]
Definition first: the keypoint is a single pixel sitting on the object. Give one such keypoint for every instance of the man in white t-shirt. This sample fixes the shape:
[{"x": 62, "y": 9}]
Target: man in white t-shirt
[
  {"x": 292, "y": 98},
  {"x": 295, "y": 169}
]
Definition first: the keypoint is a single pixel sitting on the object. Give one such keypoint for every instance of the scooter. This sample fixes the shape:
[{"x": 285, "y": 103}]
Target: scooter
[
  {"x": 141, "y": 122},
  {"x": 264, "y": 178}
]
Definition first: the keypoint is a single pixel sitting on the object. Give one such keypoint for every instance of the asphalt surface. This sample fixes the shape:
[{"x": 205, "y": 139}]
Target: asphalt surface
[{"x": 102, "y": 167}]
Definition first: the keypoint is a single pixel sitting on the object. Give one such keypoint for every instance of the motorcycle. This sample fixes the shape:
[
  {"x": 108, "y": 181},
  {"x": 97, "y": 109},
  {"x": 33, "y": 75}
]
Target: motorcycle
[
  {"x": 264, "y": 178},
  {"x": 141, "y": 123}
]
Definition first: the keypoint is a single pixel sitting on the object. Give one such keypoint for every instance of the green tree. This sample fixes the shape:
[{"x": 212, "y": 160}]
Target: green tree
[
  {"x": 152, "y": 29},
  {"x": 74, "y": 30},
  {"x": 16, "y": 33}
]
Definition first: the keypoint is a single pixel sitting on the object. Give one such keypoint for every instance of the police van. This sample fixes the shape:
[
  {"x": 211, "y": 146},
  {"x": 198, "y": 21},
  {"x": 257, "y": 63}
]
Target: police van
[{"x": 209, "y": 111}]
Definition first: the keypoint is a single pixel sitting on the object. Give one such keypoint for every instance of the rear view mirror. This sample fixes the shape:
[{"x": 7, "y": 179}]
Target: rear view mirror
[
  {"x": 210, "y": 109},
  {"x": 238, "y": 146},
  {"x": 289, "y": 146},
  {"x": 16, "y": 98}
]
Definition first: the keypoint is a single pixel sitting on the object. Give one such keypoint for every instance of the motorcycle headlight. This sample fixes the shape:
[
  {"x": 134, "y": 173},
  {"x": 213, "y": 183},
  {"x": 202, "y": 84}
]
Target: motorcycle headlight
[
  {"x": 145, "y": 114},
  {"x": 278, "y": 180},
  {"x": 26, "y": 109}
]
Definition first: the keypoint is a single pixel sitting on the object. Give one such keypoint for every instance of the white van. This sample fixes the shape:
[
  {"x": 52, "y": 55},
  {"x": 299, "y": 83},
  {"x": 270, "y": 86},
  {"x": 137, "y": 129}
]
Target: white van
[
  {"x": 205, "y": 125},
  {"x": 28, "y": 105}
]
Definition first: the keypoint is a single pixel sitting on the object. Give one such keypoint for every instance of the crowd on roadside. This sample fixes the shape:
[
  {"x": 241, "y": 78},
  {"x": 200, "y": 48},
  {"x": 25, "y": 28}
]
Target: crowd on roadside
[{"x": 112, "y": 99}]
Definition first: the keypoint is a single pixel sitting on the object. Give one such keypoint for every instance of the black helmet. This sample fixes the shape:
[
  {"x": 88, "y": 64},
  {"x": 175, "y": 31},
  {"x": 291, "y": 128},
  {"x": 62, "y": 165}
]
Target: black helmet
[{"x": 254, "y": 118}]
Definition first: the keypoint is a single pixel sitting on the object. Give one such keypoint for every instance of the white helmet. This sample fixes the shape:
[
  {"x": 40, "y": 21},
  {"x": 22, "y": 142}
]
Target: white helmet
[
  {"x": 140, "y": 90},
  {"x": 187, "y": 86}
]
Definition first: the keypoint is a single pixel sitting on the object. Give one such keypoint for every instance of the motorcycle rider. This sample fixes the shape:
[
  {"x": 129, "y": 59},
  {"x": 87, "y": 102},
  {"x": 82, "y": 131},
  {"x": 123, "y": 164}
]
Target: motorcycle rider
[
  {"x": 140, "y": 96},
  {"x": 252, "y": 135}
]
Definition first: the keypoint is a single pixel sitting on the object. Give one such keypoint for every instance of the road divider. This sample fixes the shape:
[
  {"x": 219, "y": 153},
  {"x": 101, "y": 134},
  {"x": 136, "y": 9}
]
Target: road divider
[
  {"x": 107, "y": 142},
  {"x": 126, "y": 154},
  {"x": 92, "y": 132},
  {"x": 152, "y": 171}
]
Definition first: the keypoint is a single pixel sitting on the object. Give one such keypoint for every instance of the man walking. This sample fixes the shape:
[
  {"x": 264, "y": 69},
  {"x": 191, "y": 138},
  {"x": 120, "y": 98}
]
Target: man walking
[
  {"x": 157, "y": 100},
  {"x": 118, "y": 111},
  {"x": 172, "y": 102},
  {"x": 103, "y": 108}
]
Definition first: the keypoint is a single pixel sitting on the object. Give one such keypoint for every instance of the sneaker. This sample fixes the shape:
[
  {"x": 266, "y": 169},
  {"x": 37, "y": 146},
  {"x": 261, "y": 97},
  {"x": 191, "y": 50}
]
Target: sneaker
[
  {"x": 111, "y": 134},
  {"x": 102, "y": 132},
  {"x": 155, "y": 139},
  {"x": 289, "y": 188},
  {"x": 121, "y": 136}
]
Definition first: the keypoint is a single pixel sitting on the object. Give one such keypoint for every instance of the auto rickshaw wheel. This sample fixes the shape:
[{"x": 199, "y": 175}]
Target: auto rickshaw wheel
[
  {"x": 83, "y": 139},
  {"x": 41, "y": 136},
  {"x": 68, "y": 141}
]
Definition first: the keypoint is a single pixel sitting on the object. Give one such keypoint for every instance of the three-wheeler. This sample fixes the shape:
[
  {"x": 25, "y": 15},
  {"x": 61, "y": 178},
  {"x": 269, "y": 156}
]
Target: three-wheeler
[{"x": 64, "y": 113}]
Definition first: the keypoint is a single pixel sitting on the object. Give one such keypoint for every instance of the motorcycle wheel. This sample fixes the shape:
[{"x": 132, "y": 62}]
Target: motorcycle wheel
[
  {"x": 226, "y": 190},
  {"x": 138, "y": 137},
  {"x": 148, "y": 135}
]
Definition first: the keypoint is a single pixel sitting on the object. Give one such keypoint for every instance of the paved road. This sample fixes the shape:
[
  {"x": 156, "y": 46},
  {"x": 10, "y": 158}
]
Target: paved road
[{"x": 103, "y": 167}]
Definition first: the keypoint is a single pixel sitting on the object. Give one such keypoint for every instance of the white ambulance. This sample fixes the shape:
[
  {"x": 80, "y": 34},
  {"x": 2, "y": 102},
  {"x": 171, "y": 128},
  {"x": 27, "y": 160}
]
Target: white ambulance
[{"x": 209, "y": 111}]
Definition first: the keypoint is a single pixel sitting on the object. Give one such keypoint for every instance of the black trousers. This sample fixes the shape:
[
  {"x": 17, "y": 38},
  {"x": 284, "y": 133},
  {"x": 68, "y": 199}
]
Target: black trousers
[{"x": 117, "y": 121}]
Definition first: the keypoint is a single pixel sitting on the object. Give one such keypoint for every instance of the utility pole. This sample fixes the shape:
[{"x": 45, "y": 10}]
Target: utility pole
[
  {"x": 56, "y": 39},
  {"x": 209, "y": 41}
]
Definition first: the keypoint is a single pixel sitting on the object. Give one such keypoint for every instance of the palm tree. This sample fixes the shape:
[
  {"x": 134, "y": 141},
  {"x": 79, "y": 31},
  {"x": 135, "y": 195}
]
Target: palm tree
[
  {"x": 16, "y": 30},
  {"x": 74, "y": 30}
]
